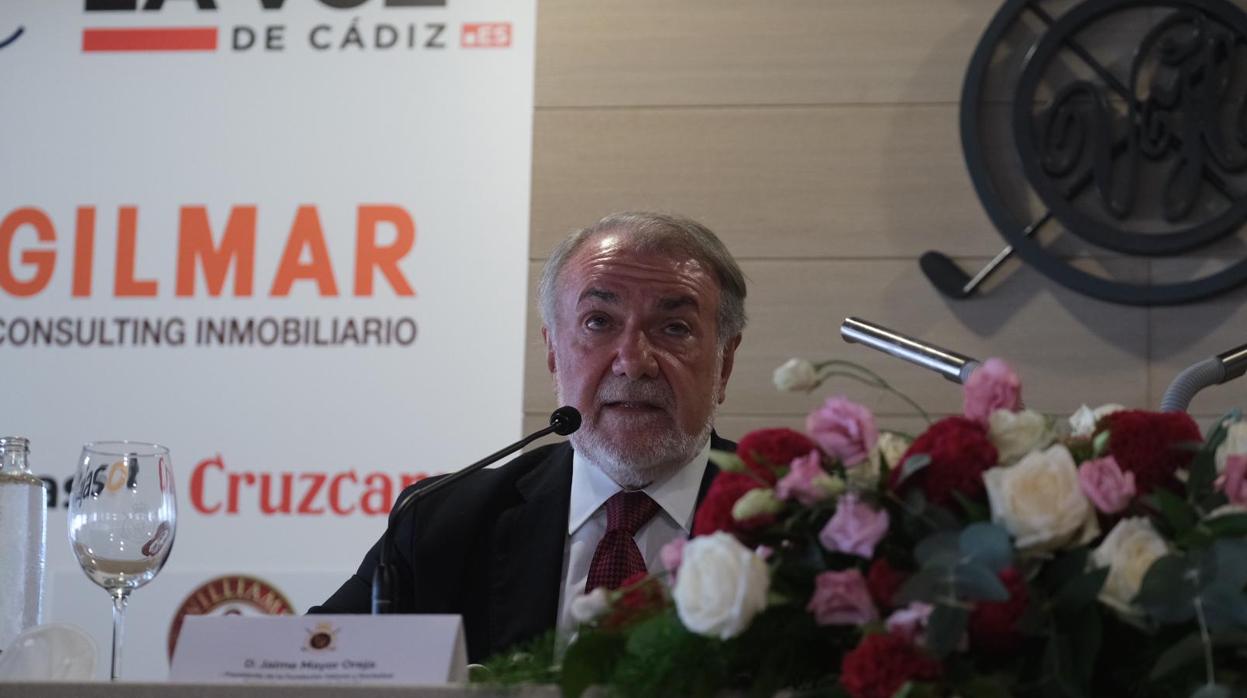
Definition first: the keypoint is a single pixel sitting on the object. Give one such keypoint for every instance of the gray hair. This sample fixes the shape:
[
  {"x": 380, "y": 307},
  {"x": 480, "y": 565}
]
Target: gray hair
[{"x": 657, "y": 232}]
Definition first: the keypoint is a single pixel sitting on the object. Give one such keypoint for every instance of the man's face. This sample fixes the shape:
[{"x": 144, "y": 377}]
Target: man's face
[{"x": 635, "y": 348}]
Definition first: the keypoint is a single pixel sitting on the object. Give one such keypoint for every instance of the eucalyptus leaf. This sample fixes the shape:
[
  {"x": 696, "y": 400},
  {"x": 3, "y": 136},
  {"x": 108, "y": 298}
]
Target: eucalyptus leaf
[
  {"x": 727, "y": 461},
  {"x": 913, "y": 464},
  {"x": 925, "y": 585},
  {"x": 1065, "y": 568},
  {"x": 1182, "y": 653},
  {"x": 1168, "y": 590},
  {"x": 974, "y": 511},
  {"x": 979, "y": 583},
  {"x": 986, "y": 544},
  {"x": 1231, "y": 562},
  {"x": 941, "y": 549},
  {"x": 1225, "y": 607},
  {"x": 946, "y": 626}
]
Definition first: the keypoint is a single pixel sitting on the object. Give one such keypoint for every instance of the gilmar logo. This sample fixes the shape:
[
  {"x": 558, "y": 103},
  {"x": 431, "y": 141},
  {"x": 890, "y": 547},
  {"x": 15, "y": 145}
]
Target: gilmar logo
[{"x": 338, "y": 33}]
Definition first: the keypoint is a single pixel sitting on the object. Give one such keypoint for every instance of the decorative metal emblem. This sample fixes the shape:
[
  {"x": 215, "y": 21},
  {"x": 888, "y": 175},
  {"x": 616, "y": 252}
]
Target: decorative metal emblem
[{"x": 1114, "y": 127}]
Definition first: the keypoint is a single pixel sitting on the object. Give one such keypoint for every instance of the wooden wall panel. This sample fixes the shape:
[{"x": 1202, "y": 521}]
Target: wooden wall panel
[
  {"x": 656, "y": 52},
  {"x": 780, "y": 182}
]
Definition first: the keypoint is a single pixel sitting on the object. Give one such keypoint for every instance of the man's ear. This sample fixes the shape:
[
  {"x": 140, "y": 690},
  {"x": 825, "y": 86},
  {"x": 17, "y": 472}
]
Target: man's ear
[
  {"x": 729, "y": 360},
  {"x": 545, "y": 337}
]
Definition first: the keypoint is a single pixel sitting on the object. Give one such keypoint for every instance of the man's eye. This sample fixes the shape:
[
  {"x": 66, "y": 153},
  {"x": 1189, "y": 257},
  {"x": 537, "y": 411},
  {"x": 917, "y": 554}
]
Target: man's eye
[
  {"x": 678, "y": 329},
  {"x": 597, "y": 322}
]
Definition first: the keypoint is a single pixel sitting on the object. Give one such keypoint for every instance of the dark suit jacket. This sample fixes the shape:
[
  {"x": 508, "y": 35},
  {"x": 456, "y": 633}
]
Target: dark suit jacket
[{"x": 489, "y": 548}]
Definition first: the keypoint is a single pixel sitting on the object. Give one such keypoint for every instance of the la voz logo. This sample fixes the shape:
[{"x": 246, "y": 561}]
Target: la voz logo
[{"x": 336, "y": 33}]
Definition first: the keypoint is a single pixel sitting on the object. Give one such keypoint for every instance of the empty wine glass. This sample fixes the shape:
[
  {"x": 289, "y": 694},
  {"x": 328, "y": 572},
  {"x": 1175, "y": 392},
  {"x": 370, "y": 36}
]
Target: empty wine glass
[{"x": 122, "y": 518}]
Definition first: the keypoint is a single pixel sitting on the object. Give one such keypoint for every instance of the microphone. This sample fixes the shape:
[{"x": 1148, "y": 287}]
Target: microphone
[
  {"x": 563, "y": 421},
  {"x": 1218, "y": 369},
  {"x": 953, "y": 366}
]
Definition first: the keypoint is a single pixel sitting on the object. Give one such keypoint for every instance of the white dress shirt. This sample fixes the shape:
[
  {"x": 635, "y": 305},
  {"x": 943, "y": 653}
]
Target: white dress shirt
[{"x": 586, "y": 522}]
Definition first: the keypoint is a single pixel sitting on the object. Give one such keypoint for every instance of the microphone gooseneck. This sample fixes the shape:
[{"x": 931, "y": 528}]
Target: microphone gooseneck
[
  {"x": 953, "y": 366},
  {"x": 1215, "y": 370},
  {"x": 563, "y": 421}
]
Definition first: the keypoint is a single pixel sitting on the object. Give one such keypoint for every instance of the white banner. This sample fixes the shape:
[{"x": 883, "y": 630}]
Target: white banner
[{"x": 285, "y": 238}]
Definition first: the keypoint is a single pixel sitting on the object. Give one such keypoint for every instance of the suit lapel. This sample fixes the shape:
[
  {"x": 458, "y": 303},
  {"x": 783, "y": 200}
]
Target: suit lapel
[{"x": 528, "y": 553}]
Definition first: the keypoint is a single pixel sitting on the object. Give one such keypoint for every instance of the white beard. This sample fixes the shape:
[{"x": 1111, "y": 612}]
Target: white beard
[{"x": 635, "y": 465}]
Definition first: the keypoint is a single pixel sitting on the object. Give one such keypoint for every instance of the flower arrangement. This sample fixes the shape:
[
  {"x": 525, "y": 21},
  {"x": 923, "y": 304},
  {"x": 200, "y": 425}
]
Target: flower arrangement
[{"x": 998, "y": 553}]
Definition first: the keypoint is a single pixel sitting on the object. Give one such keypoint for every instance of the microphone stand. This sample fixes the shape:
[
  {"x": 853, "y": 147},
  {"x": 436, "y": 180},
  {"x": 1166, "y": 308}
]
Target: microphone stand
[
  {"x": 953, "y": 366},
  {"x": 563, "y": 421}
]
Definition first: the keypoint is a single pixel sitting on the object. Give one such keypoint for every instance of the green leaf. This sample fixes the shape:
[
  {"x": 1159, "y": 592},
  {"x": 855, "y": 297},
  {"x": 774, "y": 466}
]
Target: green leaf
[
  {"x": 974, "y": 511},
  {"x": 1058, "y": 665},
  {"x": 1084, "y": 640},
  {"x": 946, "y": 626},
  {"x": 1065, "y": 568},
  {"x": 1227, "y": 525},
  {"x": 1168, "y": 590},
  {"x": 590, "y": 660},
  {"x": 727, "y": 461},
  {"x": 1081, "y": 591},
  {"x": 913, "y": 464},
  {"x": 987, "y": 544},
  {"x": 1176, "y": 512},
  {"x": 979, "y": 583},
  {"x": 1099, "y": 444}
]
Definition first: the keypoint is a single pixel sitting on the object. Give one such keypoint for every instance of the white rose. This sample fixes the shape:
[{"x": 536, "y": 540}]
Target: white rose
[
  {"x": 1082, "y": 422},
  {"x": 1039, "y": 501},
  {"x": 588, "y": 607},
  {"x": 1128, "y": 551},
  {"x": 795, "y": 375},
  {"x": 722, "y": 585},
  {"x": 756, "y": 502},
  {"x": 888, "y": 449},
  {"x": 1235, "y": 443},
  {"x": 1014, "y": 434}
]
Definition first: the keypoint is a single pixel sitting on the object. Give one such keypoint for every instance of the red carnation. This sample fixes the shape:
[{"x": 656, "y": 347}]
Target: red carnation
[
  {"x": 881, "y": 664},
  {"x": 766, "y": 451},
  {"x": 993, "y": 624},
  {"x": 960, "y": 451},
  {"x": 715, "y": 512},
  {"x": 1149, "y": 444},
  {"x": 883, "y": 580}
]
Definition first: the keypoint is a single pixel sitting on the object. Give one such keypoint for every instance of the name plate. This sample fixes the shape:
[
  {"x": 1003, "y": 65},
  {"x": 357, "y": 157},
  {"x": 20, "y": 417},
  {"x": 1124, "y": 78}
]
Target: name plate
[{"x": 329, "y": 649}]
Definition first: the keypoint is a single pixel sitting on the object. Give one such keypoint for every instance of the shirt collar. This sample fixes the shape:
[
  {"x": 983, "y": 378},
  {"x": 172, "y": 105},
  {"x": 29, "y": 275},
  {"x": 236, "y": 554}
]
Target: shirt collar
[{"x": 676, "y": 495}]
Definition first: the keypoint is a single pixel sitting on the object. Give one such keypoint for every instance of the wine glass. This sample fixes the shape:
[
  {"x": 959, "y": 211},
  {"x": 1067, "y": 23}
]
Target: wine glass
[{"x": 122, "y": 518}]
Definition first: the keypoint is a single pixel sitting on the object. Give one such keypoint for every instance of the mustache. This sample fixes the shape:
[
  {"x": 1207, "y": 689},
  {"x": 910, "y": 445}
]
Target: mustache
[{"x": 653, "y": 392}]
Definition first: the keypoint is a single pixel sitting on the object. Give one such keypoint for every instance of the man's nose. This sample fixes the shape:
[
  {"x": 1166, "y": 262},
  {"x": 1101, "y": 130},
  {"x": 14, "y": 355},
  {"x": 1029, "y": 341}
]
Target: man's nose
[{"x": 634, "y": 357}]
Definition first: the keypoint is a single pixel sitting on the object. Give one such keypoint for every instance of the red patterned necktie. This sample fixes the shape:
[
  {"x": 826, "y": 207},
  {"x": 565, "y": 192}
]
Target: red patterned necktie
[{"x": 617, "y": 556}]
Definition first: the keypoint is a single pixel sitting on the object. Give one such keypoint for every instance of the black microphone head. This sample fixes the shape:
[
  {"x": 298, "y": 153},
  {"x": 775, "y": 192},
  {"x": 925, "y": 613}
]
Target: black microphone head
[{"x": 565, "y": 420}]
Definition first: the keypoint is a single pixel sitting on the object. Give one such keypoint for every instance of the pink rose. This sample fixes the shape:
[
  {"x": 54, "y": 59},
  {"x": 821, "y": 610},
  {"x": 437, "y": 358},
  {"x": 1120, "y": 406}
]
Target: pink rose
[
  {"x": 910, "y": 622},
  {"x": 843, "y": 429},
  {"x": 1235, "y": 485},
  {"x": 672, "y": 554},
  {"x": 1104, "y": 483},
  {"x": 855, "y": 528},
  {"x": 806, "y": 480},
  {"x": 993, "y": 386},
  {"x": 841, "y": 598}
]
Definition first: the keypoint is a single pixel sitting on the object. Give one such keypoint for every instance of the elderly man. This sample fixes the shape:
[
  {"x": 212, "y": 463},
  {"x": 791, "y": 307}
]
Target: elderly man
[{"x": 642, "y": 314}]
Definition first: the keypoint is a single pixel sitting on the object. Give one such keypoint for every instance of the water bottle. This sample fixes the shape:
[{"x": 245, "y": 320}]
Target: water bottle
[{"x": 23, "y": 540}]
